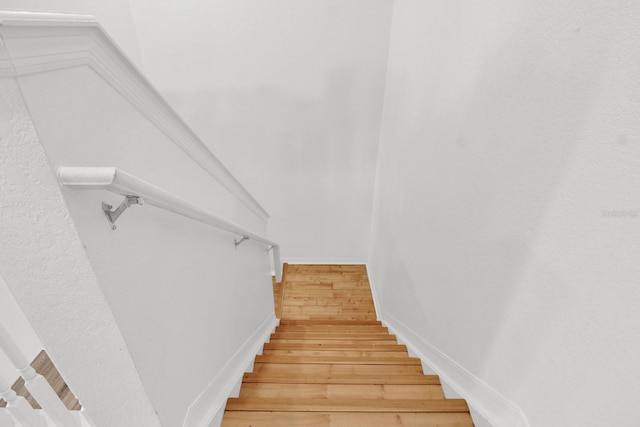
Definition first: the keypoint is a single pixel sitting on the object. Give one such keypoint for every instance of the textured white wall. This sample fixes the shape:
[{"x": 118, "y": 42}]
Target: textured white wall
[
  {"x": 289, "y": 95},
  {"x": 506, "y": 222},
  {"x": 184, "y": 298},
  {"x": 46, "y": 268}
]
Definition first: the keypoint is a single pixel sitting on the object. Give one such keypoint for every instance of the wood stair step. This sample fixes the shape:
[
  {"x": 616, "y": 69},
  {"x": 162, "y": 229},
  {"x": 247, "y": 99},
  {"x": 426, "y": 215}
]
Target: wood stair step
[
  {"x": 364, "y": 354},
  {"x": 336, "y": 369},
  {"x": 302, "y": 378},
  {"x": 363, "y": 343},
  {"x": 345, "y": 419},
  {"x": 362, "y": 329},
  {"x": 334, "y": 345},
  {"x": 346, "y": 405},
  {"x": 340, "y": 391},
  {"x": 334, "y": 335},
  {"x": 299, "y": 322},
  {"x": 331, "y": 363},
  {"x": 335, "y": 360}
]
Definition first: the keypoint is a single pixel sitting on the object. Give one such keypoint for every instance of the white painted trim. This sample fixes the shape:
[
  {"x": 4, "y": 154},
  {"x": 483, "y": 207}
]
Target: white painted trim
[
  {"x": 43, "y": 42},
  {"x": 490, "y": 404},
  {"x": 210, "y": 403},
  {"x": 374, "y": 294},
  {"x": 335, "y": 261}
]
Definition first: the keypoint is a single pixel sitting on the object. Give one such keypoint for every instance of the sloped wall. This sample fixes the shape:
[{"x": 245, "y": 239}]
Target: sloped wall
[
  {"x": 507, "y": 215},
  {"x": 171, "y": 296},
  {"x": 289, "y": 95}
]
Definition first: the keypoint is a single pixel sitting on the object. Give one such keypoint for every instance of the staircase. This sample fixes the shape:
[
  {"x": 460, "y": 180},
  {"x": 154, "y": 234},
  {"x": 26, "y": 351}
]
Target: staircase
[{"x": 331, "y": 363}]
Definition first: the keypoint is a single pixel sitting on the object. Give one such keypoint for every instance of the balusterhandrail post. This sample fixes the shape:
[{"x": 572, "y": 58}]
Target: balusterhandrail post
[
  {"x": 19, "y": 408},
  {"x": 37, "y": 385}
]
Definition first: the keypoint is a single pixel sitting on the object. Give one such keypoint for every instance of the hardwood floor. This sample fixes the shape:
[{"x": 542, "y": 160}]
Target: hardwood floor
[{"x": 331, "y": 363}]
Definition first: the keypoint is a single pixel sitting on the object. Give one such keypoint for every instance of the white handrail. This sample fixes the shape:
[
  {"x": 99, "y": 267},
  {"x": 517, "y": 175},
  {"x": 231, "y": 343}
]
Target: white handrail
[{"x": 117, "y": 181}]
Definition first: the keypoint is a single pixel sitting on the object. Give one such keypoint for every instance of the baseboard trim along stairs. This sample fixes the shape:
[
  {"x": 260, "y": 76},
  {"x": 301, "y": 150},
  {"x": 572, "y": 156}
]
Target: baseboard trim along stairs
[
  {"x": 331, "y": 363},
  {"x": 488, "y": 407},
  {"x": 208, "y": 408}
]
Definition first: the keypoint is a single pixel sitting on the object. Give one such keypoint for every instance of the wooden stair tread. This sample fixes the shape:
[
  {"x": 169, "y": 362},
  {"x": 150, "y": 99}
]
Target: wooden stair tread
[
  {"x": 353, "y": 329},
  {"x": 288, "y": 378},
  {"x": 331, "y": 363},
  {"x": 362, "y": 343},
  {"x": 365, "y": 354},
  {"x": 334, "y": 335},
  {"x": 346, "y": 405},
  {"x": 328, "y": 369},
  {"x": 345, "y": 419},
  {"x": 339, "y": 391},
  {"x": 336, "y": 322},
  {"x": 334, "y": 345},
  {"x": 338, "y": 360}
]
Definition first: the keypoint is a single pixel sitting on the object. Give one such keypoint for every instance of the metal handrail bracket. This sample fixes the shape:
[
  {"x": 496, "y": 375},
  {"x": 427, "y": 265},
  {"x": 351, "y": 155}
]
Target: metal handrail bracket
[{"x": 135, "y": 190}]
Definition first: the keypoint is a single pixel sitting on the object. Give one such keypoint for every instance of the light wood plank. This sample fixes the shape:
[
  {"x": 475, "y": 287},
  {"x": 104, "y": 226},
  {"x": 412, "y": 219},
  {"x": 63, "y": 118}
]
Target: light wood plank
[
  {"x": 334, "y": 345},
  {"x": 341, "y": 391},
  {"x": 283, "y": 378},
  {"x": 334, "y": 335},
  {"x": 346, "y": 405},
  {"x": 345, "y": 419},
  {"x": 363, "y": 354},
  {"x": 336, "y": 369},
  {"x": 336, "y": 360}
]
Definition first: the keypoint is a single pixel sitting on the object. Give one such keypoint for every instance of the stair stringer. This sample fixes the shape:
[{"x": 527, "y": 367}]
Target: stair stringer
[
  {"x": 208, "y": 408},
  {"x": 488, "y": 407}
]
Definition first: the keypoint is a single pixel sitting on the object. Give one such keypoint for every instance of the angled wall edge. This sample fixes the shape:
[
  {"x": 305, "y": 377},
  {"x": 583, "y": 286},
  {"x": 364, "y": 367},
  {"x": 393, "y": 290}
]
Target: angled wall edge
[{"x": 37, "y": 43}]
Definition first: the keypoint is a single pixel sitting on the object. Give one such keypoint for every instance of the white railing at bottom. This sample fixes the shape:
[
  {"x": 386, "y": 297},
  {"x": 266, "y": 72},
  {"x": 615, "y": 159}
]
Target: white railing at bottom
[
  {"x": 134, "y": 189},
  {"x": 18, "y": 411}
]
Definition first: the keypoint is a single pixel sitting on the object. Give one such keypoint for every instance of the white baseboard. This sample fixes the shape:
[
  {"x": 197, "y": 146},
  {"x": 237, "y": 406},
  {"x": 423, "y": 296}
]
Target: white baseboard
[
  {"x": 355, "y": 261},
  {"x": 487, "y": 405},
  {"x": 207, "y": 409}
]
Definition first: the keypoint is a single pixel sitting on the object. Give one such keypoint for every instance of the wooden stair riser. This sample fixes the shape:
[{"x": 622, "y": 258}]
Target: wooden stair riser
[
  {"x": 327, "y": 329},
  {"x": 338, "y": 335},
  {"x": 324, "y": 360},
  {"x": 345, "y": 419},
  {"x": 340, "y": 379},
  {"x": 330, "y": 322},
  {"x": 346, "y": 405},
  {"x": 332, "y": 345},
  {"x": 330, "y": 353},
  {"x": 362, "y": 343},
  {"x": 341, "y": 391},
  {"x": 325, "y": 369}
]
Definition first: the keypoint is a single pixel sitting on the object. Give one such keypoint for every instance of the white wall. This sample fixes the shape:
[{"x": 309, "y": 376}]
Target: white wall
[
  {"x": 289, "y": 95},
  {"x": 47, "y": 271},
  {"x": 506, "y": 221},
  {"x": 184, "y": 298}
]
